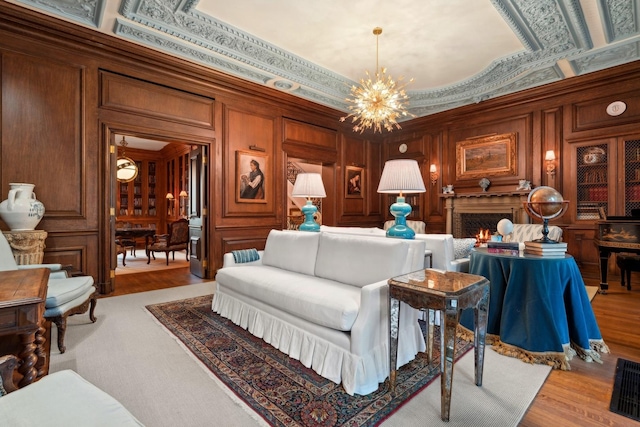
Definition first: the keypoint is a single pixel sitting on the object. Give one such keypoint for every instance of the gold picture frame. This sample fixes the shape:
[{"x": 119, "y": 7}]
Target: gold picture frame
[
  {"x": 250, "y": 177},
  {"x": 486, "y": 156},
  {"x": 354, "y": 182}
]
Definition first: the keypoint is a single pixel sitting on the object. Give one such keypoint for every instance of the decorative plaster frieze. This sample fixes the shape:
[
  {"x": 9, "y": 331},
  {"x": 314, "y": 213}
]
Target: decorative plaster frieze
[
  {"x": 619, "y": 19},
  {"x": 550, "y": 30},
  {"x": 88, "y": 12}
]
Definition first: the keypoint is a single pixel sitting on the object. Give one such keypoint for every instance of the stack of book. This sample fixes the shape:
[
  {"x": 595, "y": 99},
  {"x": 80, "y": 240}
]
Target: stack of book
[
  {"x": 545, "y": 249},
  {"x": 505, "y": 248}
]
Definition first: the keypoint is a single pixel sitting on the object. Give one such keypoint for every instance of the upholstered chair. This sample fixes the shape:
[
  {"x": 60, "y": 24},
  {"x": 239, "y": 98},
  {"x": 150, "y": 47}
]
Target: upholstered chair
[
  {"x": 176, "y": 240},
  {"x": 66, "y": 296}
]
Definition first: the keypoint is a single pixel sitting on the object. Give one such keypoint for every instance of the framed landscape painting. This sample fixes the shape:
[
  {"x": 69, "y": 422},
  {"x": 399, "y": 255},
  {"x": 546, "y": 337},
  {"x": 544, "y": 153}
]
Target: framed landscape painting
[
  {"x": 486, "y": 156},
  {"x": 250, "y": 177}
]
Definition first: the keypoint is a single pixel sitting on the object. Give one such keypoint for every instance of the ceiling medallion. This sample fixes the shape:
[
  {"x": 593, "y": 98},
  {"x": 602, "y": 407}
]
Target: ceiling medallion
[{"x": 378, "y": 104}]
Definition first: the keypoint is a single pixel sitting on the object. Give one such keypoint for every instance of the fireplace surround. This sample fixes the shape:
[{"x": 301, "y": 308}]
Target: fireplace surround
[{"x": 467, "y": 213}]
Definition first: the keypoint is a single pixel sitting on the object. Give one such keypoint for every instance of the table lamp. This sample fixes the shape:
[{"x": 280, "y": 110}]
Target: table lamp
[
  {"x": 401, "y": 176},
  {"x": 309, "y": 185}
]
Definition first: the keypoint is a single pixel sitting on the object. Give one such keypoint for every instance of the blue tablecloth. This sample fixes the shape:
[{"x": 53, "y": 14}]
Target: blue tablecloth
[{"x": 539, "y": 309}]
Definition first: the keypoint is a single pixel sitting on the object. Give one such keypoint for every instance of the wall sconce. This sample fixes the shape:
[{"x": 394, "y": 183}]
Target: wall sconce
[
  {"x": 550, "y": 158},
  {"x": 434, "y": 173}
]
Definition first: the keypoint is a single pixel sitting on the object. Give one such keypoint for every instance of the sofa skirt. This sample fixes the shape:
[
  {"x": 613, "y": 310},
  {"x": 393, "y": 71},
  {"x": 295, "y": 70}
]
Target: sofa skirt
[{"x": 324, "y": 350}]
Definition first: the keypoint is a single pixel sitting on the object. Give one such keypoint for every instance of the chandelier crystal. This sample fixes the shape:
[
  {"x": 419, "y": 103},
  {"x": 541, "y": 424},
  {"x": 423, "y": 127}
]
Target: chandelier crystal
[{"x": 378, "y": 104}]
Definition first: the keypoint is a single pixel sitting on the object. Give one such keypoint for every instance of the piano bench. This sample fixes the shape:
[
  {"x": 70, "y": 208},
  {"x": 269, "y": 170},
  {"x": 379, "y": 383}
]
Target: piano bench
[{"x": 627, "y": 263}]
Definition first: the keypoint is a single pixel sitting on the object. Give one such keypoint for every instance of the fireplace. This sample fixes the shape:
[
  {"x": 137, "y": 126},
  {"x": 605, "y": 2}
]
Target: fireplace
[
  {"x": 469, "y": 224},
  {"x": 468, "y": 213}
]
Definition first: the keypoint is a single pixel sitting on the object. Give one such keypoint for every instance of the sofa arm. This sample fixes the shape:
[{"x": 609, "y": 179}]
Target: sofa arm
[
  {"x": 371, "y": 328},
  {"x": 229, "y": 261},
  {"x": 8, "y": 364}
]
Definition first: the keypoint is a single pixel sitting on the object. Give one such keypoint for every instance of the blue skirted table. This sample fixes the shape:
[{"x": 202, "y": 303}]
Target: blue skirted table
[{"x": 539, "y": 310}]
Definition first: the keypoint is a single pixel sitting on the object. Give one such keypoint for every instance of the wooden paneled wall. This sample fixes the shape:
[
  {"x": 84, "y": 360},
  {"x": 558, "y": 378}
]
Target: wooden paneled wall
[{"x": 67, "y": 90}]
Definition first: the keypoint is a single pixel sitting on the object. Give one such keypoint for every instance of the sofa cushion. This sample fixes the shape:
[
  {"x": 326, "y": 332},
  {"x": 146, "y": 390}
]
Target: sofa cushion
[
  {"x": 292, "y": 250},
  {"x": 323, "y": 302},
  {"x": 63, "y": 398},
  {"x": 61, "y": 291},
  {"x": 360, "y": 260}
]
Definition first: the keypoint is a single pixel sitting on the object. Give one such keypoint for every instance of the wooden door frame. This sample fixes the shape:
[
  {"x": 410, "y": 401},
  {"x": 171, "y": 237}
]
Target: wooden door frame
[{"x": 106, "y": 272}]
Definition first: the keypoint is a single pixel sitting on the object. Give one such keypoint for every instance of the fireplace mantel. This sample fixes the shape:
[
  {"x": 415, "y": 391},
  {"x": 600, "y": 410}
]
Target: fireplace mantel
[{"x": 509, "y": 203}]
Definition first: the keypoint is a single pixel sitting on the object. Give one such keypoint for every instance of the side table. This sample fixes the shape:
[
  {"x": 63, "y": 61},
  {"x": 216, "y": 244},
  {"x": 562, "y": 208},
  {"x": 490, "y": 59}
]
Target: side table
[
  {"x": 449, "y": 292},
  {"x": 27, "y": 246}
]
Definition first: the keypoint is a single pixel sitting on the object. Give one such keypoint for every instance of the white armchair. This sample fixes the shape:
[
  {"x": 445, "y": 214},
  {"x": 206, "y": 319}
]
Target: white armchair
[
  {"x": 527, "y": 232},
  {"x": 66, "y": 296}
]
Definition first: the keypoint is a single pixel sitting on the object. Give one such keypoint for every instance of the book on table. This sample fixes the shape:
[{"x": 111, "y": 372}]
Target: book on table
[
  {"x": 541, "y": 245},
  {"x": 546, "y": 254},
  {"x": 503, "y": 245},
  {"x": 503, "y": 251}
]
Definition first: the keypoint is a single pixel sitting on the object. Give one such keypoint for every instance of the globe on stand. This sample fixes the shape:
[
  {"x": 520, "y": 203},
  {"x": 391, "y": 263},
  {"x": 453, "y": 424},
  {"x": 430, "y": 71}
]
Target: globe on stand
[{"x": 545, "y": 203}]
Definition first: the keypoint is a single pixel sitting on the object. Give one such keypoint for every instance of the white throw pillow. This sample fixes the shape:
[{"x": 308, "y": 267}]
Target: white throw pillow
[
  {"x": 292, "y": 250},
  {"x": 462, "y": 247}
]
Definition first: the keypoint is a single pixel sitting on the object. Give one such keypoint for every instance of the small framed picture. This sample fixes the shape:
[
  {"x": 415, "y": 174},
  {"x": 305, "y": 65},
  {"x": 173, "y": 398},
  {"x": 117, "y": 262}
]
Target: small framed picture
[
  {"x": 354, "y": 181},
  {"x": 251, "y": 182}
]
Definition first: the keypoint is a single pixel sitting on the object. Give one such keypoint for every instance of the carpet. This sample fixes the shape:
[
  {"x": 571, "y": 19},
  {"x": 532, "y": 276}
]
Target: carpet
[
  {"x": 281, "y": 389},
  {"x": 592, "y": 291},
  {"x": 129, "y": 355}
]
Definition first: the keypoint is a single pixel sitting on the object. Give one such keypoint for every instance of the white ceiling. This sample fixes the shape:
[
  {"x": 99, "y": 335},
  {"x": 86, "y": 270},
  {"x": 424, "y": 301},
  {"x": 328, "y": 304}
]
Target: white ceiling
[{"x": 457, "y": 51}]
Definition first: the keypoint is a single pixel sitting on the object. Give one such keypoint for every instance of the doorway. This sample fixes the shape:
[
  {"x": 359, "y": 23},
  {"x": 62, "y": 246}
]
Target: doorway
[{"x": 166, "y": 189}]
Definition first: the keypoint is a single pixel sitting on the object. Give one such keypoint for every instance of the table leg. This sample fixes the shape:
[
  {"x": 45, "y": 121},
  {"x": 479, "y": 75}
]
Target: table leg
[
  {"x": 29, "y": 359},
  {"x": 604, "y": 267},
  {"x": 428, "y": 334},
  {"x": 394, "y": 321},
  {"x": 481, "y": 312},
  {"x": 448, "y": 324},
  {"x": 42, "y": 355}
]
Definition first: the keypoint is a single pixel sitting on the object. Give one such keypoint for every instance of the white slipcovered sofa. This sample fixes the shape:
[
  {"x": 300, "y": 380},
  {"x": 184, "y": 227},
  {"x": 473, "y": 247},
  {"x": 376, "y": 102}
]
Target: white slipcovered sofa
[
  {"x": 441, "y": 246},
  {"x": 322, "y": 298}
]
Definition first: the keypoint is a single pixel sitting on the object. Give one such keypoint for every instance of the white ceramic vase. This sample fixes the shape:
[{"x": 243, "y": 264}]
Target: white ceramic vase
[{"x": 21, "y": 211}]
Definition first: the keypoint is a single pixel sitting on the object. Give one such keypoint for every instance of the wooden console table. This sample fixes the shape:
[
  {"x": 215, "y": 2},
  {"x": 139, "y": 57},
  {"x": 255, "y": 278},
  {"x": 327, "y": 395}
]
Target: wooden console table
[{"x": 22, "y": 297}]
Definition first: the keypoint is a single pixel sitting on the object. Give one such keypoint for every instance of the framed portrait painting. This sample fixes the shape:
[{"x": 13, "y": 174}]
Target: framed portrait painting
[
  {"x": 250, "y": 177},
  {"x": 493, "y": 155},
  {"x": 354, "y": 181}
]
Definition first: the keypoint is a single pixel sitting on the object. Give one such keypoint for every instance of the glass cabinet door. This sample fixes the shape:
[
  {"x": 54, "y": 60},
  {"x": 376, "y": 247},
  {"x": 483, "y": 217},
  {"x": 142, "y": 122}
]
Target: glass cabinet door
[
  {"x": 592, "y": 173},
  {"x": 632, "y": 177}
]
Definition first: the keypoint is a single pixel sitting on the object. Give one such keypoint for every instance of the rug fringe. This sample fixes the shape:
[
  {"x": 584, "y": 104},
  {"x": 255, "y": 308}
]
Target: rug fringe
[{"x": 234, "y": 397}]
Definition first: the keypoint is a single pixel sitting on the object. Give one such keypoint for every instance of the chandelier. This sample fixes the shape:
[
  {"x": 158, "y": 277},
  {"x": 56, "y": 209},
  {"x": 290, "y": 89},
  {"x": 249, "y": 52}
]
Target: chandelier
[
  {"x": 126, "y": 169},
  {"x": 380, "y": 103}
]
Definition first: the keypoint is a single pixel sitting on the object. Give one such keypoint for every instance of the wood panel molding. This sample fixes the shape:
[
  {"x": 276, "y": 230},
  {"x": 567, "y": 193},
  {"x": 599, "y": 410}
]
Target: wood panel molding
[{"x": 129, "y": 95}]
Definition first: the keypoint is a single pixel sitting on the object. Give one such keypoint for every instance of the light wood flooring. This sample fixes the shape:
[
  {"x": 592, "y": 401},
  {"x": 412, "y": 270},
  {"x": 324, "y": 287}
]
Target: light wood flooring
[{"x": 579, "y": 397}]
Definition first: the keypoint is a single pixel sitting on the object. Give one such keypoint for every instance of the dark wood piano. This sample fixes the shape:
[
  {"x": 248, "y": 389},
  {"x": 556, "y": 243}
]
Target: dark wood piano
[{"x": 616, "y": 234}]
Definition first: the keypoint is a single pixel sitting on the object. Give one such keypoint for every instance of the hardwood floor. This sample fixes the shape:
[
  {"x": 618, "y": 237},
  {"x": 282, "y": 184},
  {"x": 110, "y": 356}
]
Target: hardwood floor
[
  {"x": 579, "y": 397},
  {"x": 162, "y": 279}
]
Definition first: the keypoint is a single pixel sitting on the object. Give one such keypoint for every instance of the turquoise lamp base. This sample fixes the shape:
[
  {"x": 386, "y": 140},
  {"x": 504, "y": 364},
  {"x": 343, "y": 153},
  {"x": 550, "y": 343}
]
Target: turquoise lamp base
[
  {"x": 309, "y": 223},
  {"x": 400, "y": 210}
]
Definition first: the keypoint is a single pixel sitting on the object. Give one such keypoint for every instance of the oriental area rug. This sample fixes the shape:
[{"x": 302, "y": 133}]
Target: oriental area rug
[{"x": 278, "y": 388}]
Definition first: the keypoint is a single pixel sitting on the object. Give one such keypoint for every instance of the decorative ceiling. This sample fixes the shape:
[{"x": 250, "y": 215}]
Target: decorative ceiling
[{"x": 458, "y": 52}]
